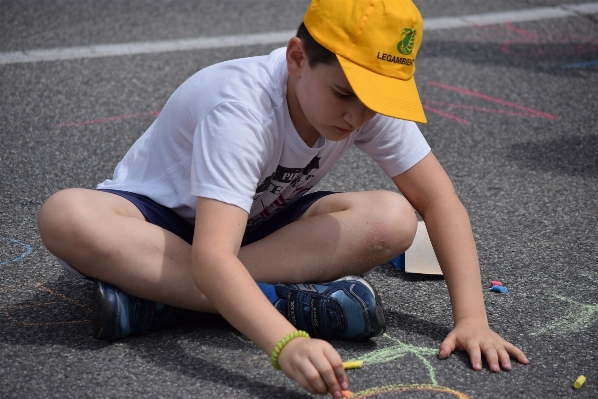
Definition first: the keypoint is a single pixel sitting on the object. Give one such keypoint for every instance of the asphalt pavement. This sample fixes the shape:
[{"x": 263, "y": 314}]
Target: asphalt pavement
[{"x": 512, "y": 107}]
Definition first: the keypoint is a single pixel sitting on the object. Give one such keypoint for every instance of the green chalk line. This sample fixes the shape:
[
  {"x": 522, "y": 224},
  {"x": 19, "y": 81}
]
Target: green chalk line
[
  {"x": 583, "y": 317},
  {"x": 397, "y": 351},
  {"x": 392, "y": 353},
  {"x": 389, "y": 354}
]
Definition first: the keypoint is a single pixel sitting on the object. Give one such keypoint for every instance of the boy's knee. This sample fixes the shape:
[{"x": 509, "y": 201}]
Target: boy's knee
[
  {"x": 392, "y": 222},
  {"x": 59, "y": 216}
]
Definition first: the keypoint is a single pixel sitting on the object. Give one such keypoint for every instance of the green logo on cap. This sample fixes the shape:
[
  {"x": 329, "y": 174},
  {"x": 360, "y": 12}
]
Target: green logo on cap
[{"x": 405, "y": 46}]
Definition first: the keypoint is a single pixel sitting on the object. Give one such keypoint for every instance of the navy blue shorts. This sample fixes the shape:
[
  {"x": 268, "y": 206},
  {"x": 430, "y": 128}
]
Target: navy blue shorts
[{"x": 167, "y": 219}]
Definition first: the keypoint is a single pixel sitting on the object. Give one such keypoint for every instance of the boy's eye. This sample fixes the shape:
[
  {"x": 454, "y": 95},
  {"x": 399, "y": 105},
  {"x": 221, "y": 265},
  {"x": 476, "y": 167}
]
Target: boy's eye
[{"x": 342, "y": 95}]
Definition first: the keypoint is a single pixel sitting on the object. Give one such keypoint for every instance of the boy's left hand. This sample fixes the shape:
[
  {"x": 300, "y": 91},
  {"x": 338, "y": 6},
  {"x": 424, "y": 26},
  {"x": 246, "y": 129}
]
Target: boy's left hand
[{"x": 475, "y": 337}]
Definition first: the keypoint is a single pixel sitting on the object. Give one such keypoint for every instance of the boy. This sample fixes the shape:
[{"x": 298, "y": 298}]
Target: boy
[{"x": 209, "y": 200}]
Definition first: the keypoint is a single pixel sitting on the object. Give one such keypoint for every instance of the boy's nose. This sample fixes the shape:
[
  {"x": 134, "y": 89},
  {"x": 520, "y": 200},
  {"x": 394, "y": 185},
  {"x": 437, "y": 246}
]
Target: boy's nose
[{"x": 358, "y": 115}]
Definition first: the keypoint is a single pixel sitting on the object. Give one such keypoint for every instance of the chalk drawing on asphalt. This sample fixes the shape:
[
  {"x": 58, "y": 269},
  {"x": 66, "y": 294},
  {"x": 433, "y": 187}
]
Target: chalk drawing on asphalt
[
  {"x": 507, "y": 108},
  {"x": 582, "y": 316},
  {"x": 398, "y": 351},
  {"x": 395, "y": 390},
  {"x": 580, "y": 65},
  {"x": 13, "y": 313},
  {"x": 553, "y": 45},
  {"x": 389, "y": 354},
  {"x": 28, "y": 250}
]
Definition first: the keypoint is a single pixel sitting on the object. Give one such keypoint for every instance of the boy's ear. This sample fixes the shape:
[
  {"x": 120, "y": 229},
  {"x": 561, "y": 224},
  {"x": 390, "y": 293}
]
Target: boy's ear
[{"x": 296, "y": 57}]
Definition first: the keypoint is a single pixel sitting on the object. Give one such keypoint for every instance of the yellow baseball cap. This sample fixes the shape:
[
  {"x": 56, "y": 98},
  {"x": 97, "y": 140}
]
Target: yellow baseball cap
[{"x": 376, "y": 42}]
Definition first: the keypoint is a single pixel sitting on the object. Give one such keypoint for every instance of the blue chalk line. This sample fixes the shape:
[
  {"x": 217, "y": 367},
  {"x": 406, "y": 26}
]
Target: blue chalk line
[
  {"x": 29, "y": 249},
  {"x": 580, "y": 65}
]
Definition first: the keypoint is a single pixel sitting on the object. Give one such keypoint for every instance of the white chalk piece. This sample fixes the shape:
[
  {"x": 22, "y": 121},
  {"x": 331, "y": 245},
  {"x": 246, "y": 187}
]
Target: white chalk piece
[{"x": 420, "y": 257}]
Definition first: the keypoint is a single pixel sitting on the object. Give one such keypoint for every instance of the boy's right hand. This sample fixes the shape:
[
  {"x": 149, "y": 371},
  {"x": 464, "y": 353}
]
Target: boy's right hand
[{"x": 315, "y": 365}]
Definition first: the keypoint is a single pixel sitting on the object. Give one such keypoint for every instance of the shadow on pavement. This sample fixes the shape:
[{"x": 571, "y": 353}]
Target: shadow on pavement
[
  {"x": 387, "y": 270},
  {"x": 573, "y": 156},
  {"x": 59, "y": 314},
  {"x": 414, "y": 325}
]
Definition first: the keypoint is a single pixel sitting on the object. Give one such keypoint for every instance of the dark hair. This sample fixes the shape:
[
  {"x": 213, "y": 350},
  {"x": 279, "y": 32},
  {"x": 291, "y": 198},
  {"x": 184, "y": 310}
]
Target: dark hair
[{"x": 316, "y": 53}]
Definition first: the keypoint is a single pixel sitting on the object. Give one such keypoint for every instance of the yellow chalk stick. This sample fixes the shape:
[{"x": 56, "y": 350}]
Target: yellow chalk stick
[
  {"x": 579, "y": 382},
  {"x": 355, "y": 364},
  {"x": 347, "y": 394}
]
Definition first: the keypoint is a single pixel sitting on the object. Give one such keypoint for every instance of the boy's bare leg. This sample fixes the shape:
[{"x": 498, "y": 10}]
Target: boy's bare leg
[
  {"x": 340, "y": 234},
  {"x": 106, "y": 237}
]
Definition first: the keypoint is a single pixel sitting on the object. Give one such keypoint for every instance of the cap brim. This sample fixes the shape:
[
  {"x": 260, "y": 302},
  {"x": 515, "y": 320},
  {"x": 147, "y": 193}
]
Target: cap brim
[{"x": 385, "y": 95}]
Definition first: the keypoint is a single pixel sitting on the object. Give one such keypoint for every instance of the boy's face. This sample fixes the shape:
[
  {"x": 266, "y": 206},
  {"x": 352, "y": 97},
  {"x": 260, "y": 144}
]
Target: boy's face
[{"x": 324, "y": 103}]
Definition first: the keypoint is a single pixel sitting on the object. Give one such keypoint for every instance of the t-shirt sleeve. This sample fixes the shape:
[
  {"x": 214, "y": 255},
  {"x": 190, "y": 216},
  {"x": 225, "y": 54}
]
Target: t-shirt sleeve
[
  {"x": 230, "y": 151},
  {"x": 395, "y": 144}
]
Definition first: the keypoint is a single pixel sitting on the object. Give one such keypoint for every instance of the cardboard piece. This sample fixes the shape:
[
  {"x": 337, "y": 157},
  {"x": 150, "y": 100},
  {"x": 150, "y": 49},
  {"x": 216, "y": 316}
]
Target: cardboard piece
[{"x": 420, "y": 257}]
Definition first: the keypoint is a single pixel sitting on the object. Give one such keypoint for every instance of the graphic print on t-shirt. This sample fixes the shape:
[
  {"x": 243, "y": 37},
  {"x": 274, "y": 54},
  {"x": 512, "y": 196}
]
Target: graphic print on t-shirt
[{"x": 275, "y": 189}]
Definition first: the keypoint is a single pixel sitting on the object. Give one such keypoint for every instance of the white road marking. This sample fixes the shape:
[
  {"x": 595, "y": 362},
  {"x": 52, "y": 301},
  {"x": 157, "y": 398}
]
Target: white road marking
[
  {"x": 531, "y": 14},
  {"x": 203, "y": 43}
]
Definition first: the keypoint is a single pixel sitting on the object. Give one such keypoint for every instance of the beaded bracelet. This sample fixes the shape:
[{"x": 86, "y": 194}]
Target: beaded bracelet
[{"x": 281, "y": 344}]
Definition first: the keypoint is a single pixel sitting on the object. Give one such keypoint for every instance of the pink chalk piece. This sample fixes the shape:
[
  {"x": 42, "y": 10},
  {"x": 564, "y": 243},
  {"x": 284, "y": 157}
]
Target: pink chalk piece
[{"x": 494, "y": 282}]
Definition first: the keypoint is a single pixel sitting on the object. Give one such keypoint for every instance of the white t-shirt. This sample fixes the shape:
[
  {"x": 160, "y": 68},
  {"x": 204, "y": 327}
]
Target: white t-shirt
[{"x": 226, "y": 134}]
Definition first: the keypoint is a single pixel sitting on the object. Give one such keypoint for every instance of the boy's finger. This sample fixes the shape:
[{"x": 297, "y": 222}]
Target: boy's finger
[
  {"x": 333, "y": 372},
  {"x": 328, "y": 381},
  {"x": 491, "y": 356},
  {"x": 517, "y": 353},
  {"x": 331, "y": 381},
  {"x": 337, "y": 365},
  {"x": 304, "y": 383},
  {"x": 446, "y": 348},
  {"x": 521, "y": 358},
  {"x": 343, "y": 380},
  {"x": 314, "y": 378},
  {"x": 504, "y": 359},
  {"x": 475, "y": 355}
]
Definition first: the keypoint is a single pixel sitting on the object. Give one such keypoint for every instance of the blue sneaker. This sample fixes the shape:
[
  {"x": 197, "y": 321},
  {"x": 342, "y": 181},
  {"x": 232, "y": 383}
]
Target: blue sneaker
[
  {"x": 116, "y": 315},
  {"x": 348, "y": 308}
]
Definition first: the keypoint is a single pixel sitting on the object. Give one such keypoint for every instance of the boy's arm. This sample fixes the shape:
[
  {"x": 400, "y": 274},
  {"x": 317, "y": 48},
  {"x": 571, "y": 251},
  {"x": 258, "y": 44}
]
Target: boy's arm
[
  {"x": 428, "y": 188},
  {"x": 228, "y": 285}
]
